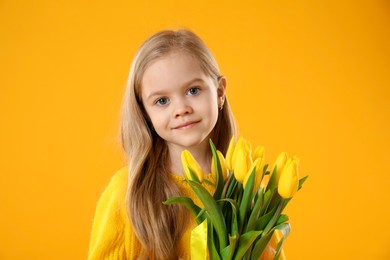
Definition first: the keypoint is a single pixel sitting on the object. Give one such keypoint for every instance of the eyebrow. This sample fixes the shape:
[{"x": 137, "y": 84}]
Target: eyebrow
[{"x": 162, "y": 92}]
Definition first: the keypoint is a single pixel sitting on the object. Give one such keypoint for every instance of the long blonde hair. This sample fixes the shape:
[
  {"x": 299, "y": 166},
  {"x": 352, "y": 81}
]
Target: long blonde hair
[{"x": 155, "y": 224}]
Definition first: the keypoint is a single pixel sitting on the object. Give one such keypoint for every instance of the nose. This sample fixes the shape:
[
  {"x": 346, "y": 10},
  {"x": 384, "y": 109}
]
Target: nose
[{"x": 181, "y": 109}]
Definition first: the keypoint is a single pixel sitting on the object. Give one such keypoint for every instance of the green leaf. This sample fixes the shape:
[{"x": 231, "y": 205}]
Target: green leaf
[
  {"x": 227, "y": 185},
  {"x": 260, "y": 245},
  {"x": 187, "y": 202},
  {"x": 214, "y": 212},
  {"x": 262, "y": 222},
  {"x": 265, "y": 172},
  {"x": 239, "y": 192},
  {"x": 275, "y": 217},
  {"x": 193, "y": 175},
  {"x": 272, "y": 181},
  {"x": 228, "y": 252},
  {"x": 209, "y": 182},
  {"x": 244, "y": 243},
  {"x": 218, "y": 170},
  {"x": 267, "y": 200},
  {"x": 232, "y": 186},
  {"x": 275, "y": 199},
  {"x": 282, "y": 218},
  {"x": 301, "y": 181},
  {"x": 234, "y": 217},
  {"x": 201, "y": 216},
  {"x": 211, "y": 242},
  {"x": 247, "y": 198},
  {"x": 255, "y": 213}
]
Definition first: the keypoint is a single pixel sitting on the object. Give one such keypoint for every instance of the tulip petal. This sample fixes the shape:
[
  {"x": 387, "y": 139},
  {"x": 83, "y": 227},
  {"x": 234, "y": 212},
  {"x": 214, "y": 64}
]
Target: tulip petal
[
  {"x": 279, "y": 164},
  {"x": 222, "y": 161},
  {"x": 240, "y": 165},
  {"x": 289, "y": 179},
  {"x": 189, "y": 162},
  {"x": 229, "y": 155},
  {"x": 259, "y": 164},
  {"x": 239, "y": 147},
  {"x": 258, "y": 153}
]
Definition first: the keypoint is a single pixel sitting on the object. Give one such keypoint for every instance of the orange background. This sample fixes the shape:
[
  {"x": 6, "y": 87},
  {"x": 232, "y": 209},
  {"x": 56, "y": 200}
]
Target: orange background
[{"x": 307, "y": 77}]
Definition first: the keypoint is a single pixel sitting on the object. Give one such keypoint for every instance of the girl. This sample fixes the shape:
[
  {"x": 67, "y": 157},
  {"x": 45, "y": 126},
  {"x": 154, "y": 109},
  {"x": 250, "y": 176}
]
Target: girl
[{"x": 175, "y": 99}]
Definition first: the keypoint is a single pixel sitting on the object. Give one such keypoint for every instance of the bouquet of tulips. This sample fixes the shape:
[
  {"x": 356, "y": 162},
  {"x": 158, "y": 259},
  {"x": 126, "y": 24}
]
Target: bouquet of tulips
[{"x": 245, "y": 208}]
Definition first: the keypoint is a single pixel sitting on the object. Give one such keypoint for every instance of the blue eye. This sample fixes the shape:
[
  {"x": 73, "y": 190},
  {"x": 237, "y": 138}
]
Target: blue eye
[
  {"x": 162, "y": 101},
  {"x": 193, "y": 91}
]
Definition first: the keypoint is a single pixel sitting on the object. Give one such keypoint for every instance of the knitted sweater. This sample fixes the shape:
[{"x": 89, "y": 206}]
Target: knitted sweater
[{"x": 112, "y": 236}]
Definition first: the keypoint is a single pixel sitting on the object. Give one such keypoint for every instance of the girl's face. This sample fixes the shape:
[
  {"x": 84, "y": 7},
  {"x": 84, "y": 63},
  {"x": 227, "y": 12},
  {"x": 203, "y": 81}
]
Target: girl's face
[{"x": 181, "y": 100}]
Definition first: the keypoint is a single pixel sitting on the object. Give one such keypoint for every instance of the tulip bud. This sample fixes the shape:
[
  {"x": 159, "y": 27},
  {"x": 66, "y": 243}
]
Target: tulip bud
[
  {"x": 259, "y": 172},
  {"x": 259, "y": 164},
  {"x": 240, "y": 164},
  {"x": 248, "y": 174},
  {"x": 223, "y": 165},
  {"x": 264, "y": 181},
  {"x": 258, "y": 153},
  {"x": 239, "y": 147},
  {"x": 289, "y": 179},
  {"x": 248, "y": 150},
  {"x": 279, "y": 164},
  {"x": 188, "y": 161},
  {"x": 229, "y": 155}
]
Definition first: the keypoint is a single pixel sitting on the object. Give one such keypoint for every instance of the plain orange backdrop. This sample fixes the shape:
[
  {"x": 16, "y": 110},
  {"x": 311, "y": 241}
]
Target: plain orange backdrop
[{"x": 308, "y": 77}]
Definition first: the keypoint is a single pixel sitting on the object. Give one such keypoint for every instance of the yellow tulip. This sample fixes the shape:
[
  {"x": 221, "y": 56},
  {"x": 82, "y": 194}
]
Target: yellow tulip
[
  {"x": 240, "y": 164},
  {"x": 259, "y": 164},
  {"x": 229, "y": 155},
  {"x": 264, "y": 181},
  {"x": 279, "y": 164},
  {"x": 289, "y": 179},
  {"x": 238, "y": 147},
  {"x": 258, "y": 153},
  {"x": 248, "y": 150},
  {"x": 248, "y": 174},
  {"x": 259, "y": 172},
  {"x": 188, "y": 161},
  {"x": 223, "y": 165}
]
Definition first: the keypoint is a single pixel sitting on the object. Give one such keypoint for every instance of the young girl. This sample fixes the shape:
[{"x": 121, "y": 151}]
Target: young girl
[{"x": 175, "y": 100}]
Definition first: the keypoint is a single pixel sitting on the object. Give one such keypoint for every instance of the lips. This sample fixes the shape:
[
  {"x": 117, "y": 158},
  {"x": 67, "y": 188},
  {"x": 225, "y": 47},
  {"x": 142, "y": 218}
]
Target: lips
[{"x": 186, "y": 125}]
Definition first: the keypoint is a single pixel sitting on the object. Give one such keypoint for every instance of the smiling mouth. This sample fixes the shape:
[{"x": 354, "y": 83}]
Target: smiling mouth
[{"x": 186, "y": 125}]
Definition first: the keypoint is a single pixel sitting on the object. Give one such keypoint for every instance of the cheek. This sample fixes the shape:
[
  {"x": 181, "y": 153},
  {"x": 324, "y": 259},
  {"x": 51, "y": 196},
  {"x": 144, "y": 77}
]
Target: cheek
[
  {"x": 211, "y": 109},
  {"x": 155, "y": 119},
  {"x": 151, "y": 116},
  {"x": 215, "y": 115},
  {"x": 159, "y": 120}
]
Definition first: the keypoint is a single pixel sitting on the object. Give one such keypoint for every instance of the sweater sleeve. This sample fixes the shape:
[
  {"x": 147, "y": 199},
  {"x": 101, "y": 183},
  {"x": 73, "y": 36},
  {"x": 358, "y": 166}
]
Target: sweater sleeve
[{"x": 110, "y": 225}]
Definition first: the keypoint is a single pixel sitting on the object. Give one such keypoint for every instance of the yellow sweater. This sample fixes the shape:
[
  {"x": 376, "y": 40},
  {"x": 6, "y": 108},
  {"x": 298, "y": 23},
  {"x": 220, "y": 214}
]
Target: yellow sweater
[{"x": 112, "y": 235}]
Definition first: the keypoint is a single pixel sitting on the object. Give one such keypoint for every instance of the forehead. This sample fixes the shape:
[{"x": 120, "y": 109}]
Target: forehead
[{"x": 171, "y": 70}]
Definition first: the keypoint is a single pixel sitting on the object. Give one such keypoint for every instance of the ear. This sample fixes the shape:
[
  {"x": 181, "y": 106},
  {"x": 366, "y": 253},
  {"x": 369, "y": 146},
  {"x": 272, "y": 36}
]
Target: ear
[{"x": 221, "y": 91}]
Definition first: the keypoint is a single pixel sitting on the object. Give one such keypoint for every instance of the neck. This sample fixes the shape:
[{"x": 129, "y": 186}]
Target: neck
[{"x": 201, "y": 153}]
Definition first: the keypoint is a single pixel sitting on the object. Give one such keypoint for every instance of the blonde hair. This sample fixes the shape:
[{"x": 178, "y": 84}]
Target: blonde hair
[{"x": 156, "y": 225}]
